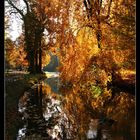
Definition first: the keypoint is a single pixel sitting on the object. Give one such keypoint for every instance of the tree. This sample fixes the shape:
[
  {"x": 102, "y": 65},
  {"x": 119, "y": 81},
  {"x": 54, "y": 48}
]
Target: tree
[
  {"x": 34, "y": 19},
  {"x": 15, "y": 56},
  {"x": 96, "y": 11},
  {"x": 111, "y": 25}
]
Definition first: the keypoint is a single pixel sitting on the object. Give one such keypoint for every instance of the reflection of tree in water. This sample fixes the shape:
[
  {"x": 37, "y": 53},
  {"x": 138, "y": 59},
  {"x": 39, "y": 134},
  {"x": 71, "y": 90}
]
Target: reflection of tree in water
[
  {"x": 75, "y": 116},
  {"x": 36, "y": 124},
  {"x": 115, "y": 119},
  {"x": 43, "y": 115}
]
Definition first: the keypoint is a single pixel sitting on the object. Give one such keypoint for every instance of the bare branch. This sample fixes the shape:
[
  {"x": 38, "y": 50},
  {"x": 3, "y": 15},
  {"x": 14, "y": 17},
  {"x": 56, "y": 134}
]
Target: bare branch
[
  {"x": 103, "y": 18},
  {"x": 100, "y": 3},
  {"x": 27, "y": 5},
  {"x": 18, "y": 10},
  {"x": 109, "y": 7},
  {"x": 13, "y": 12},
  {"x": 107, "y": 23}
]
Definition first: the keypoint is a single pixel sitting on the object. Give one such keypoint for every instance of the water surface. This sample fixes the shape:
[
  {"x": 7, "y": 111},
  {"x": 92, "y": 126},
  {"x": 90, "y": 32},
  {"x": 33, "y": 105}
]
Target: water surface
[{"x": 47, "y": 114}]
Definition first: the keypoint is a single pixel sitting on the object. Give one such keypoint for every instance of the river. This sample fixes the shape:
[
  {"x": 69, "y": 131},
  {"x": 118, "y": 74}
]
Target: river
[{"x": 47, "y": 114}]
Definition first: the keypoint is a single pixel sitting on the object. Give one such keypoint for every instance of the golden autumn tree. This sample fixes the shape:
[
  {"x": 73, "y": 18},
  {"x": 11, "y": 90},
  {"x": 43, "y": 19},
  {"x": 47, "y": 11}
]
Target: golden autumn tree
[
  {"x": 92, "y": 25},
  {"x": 15, "y": 55},
  {"x": 34, "y": 22}
]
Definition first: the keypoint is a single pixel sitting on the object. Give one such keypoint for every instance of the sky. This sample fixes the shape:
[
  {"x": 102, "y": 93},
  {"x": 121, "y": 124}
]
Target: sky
[
  {"x": 16, "y": 30},
  {"x": 15, "y": 24}
]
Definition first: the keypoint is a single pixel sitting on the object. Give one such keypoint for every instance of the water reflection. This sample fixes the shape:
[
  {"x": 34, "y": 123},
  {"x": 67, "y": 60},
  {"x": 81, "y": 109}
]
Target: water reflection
[
  {"x": 53, "y": 83},
  {"x": 49, "y": 115},
  {"x": 92, "y": 132},
  {"x": 114, "y": 121},
  {"x": 42, "y": 114}
]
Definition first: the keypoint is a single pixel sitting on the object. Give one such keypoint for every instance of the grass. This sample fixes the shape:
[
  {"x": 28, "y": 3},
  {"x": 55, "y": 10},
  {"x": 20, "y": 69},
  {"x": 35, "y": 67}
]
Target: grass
[{"x": 13, "y": 91}]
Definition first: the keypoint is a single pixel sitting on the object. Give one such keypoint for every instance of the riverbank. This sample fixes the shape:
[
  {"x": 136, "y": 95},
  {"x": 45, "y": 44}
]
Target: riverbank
[{"x": 14, "y": 89}]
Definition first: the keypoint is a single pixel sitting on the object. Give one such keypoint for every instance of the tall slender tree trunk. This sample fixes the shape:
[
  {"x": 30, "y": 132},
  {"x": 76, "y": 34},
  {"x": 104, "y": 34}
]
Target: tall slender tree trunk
[
  {"x": 29, "y": 40},
  {"x": 40, "y": 60},
  {"x": 33, "y": 36},
  {"x": 36, "y": 61},
  {"x": 36, "y": 51},
  {"x": 31, "y": 62},
  {"x": 99, "y": 33},
  {"x": 40, "y": 55}
]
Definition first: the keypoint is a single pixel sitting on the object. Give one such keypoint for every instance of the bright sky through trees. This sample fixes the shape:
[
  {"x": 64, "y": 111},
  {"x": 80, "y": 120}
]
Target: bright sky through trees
[
  {"x": 15, "y": 23},
  {"x": 16, "y": 30}
]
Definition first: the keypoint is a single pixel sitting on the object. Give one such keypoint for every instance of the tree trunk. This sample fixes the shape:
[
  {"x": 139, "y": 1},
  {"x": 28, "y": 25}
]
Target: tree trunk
[
  {"x": 31, "y": 62},
  {"x": 36, "y": 46},
  {"x": 29, "y": 40},
  {"x": 36, "y": 61},
  {"x": 40, "y": 56},
  {"x": 98, "y": 33},
  {"x": 40, "y": 60}
]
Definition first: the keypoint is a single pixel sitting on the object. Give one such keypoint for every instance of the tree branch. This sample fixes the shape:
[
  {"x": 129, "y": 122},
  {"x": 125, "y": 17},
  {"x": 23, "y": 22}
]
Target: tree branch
[
  {"x": 109, "y": 7},
  {"x": 12, "y": 12},
  {"x": 18, "y": 10},
  {"x": 27, "y": 6},
  {"x": 108, "y": 12},
  {"x": 100, "y": 3}
]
